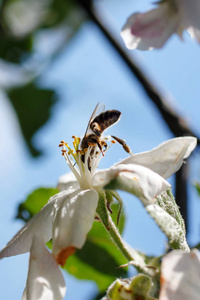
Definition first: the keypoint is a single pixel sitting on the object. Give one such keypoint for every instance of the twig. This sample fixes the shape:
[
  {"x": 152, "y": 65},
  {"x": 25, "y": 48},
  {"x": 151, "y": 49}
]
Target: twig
[{"x": 176, "y": 124}]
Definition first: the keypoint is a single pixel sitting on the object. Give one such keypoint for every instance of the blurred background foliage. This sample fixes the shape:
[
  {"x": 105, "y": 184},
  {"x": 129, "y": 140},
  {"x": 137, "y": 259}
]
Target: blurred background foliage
[{"x": 25, "y": 25}]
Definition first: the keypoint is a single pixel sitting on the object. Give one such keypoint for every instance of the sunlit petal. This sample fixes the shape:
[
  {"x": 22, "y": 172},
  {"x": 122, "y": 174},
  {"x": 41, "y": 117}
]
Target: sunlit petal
[
  {"x": 195, "y": 33},
  {"x": 135, "y": 179},
  {"x": 180, "y": 276},
  {"x": 151, "y": 29},
  {"x": 45, "y": 280},
  {"x": 68, "y": 182},
  {"x": 41, "y": 224},
  {"x": 73, "y": 221},
  {"x": 165, "y": 159}
]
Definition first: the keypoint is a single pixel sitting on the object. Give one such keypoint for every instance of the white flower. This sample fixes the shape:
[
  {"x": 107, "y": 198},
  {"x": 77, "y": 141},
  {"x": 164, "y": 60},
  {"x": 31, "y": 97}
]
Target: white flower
[
  {"x": 69, "y": 215},
  {"x": 180, "y": 276},
  {"x": 45, "y": 279},
  {"x": 152, "y": 29}
]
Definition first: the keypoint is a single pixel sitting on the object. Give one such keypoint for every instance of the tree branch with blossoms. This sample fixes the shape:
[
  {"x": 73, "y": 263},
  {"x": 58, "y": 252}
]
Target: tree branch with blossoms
[
  {"x": 175, "y": 122},
  {"x": 79, "y": 225},
  {"x": 86, "y": 194}
]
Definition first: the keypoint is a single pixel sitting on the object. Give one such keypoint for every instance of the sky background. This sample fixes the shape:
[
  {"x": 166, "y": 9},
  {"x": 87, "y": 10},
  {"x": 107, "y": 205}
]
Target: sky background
[{"x": 88, "y": 71}]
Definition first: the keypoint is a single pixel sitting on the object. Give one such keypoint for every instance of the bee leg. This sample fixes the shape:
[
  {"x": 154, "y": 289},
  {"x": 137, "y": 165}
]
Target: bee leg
[{"x": 123, "y": 143}]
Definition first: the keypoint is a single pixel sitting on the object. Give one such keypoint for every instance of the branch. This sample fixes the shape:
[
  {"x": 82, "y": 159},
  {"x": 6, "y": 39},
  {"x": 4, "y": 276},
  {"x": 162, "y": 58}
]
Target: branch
[{"x": 176, "y": 123}]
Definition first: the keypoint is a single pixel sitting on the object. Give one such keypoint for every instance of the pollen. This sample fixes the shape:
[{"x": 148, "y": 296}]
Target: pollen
[
  {"x": 113, "y": 142},
  {"x": 76, "y": 142}
]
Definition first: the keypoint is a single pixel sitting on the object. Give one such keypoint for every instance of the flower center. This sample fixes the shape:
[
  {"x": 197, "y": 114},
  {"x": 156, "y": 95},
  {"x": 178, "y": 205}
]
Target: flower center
[{"x": 82, "y": 162}]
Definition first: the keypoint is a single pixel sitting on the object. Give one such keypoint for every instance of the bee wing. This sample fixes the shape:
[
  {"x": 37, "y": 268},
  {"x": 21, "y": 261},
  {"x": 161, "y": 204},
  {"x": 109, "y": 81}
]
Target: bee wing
[{"x": 100, "y": 107}]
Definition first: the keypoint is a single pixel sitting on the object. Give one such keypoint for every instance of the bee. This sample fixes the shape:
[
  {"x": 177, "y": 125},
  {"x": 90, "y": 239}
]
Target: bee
[{"x": 100, "y": 121}]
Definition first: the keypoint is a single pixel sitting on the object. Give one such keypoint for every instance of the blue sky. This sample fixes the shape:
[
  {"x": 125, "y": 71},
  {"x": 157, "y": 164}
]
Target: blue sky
[{"x": 89, "y": 71}]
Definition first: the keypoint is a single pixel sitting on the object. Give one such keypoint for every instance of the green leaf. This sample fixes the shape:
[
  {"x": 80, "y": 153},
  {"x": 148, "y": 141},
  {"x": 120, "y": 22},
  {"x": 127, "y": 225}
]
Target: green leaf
[
  {"x": 33, "y": 107},
  {"x": 197, "y": 186},
  {"x": 15, "y": 50},
  {"x": 99, "y": 259},
  {"x": 34, "y": 202},
  {"x": 59, "y": 11}
]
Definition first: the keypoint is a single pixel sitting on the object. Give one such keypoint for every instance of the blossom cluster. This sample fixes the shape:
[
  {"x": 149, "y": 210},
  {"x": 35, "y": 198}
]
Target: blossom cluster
[
  {"x": 68, "y": 216},
  {"x": 152, "y": 29}
]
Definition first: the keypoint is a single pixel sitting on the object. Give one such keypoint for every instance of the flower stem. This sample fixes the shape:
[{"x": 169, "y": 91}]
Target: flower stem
[
  {"x": 133, "y": 257},
  {"x": 116, "y": 237}
]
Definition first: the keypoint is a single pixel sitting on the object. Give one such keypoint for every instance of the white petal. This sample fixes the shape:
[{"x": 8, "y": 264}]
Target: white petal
[
  {"x": 135, "y": 179},
  {"x": 73, "y": 221},
  {"x": 167, "y": 158},
  {"x": 180, "y": 276},
  {"x": 151, "y": 29},
  {"x": 195, "y": 33},
  {"x": 45, "y": 280},
  {"x": 68, "y": 182},
  {"x": 41, "y": 224}
]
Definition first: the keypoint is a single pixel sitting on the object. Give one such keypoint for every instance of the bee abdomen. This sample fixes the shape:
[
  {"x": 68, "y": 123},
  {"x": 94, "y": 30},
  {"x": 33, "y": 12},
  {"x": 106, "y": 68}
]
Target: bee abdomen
[{"x": 104, "y": 120}]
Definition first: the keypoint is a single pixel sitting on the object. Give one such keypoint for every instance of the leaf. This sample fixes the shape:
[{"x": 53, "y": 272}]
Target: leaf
[
  {"x": 15, "y": 50},
  {"x": 32, "y": 105},
  {"x": 34, "y": 202},
  {"x": 197, "y": 186}
]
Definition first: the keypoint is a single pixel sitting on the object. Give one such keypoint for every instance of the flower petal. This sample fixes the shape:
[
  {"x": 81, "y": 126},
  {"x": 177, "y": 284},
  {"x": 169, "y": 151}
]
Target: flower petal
[
  {"x": 180, "y": 276},
  {"x": 45, "y": 280},
  {"x": 167, "y": 158},
  {"x": 195, "y": 33},
  {"x": 68, "y": 182},
  {"x": 135, "y": 179},
  {"x": 21, "y": 242},
  {"x": 73, "y": 221},
  {"x": 149, "y": 30},
  {"x": 41, "y": 224}
]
